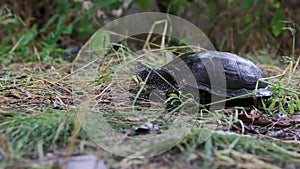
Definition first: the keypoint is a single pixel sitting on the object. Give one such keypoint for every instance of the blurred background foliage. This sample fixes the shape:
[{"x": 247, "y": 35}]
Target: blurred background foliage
[{"x": 46, "y": 30}]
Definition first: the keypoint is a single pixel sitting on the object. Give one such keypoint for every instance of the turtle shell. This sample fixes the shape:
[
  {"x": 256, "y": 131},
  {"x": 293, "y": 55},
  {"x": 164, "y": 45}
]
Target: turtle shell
[
  {"x": 213, "y": 69},
  {"x": 213, "y": 72}
]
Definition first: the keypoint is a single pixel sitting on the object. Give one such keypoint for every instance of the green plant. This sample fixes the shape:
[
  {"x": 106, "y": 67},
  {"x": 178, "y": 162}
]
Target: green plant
[
  {"x": 42, "y": 40},
  {"x": 9, "y": 20},
  {"x": 285, "y": 97},
  {"x": 258, "y": 7}
]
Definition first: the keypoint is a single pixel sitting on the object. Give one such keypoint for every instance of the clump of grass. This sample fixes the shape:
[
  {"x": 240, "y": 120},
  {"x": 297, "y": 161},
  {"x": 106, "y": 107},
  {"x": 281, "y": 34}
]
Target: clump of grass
[
  {"x": 224, "y": 150},
  {"x": 33, "y": 135},
  {"x": 230, "y": 150}
]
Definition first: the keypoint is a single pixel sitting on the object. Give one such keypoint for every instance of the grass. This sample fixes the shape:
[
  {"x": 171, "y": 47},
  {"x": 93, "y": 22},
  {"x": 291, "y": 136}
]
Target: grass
[
  {"x": 223, "y": 151},
  {"x": 36, "y": 127},
  {"x": 46, "y": 130}
]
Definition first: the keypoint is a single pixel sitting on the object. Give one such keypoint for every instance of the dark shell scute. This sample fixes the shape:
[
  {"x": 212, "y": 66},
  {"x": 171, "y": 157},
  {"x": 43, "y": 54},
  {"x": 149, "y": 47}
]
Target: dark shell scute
[{"x": 241, "y": 75}]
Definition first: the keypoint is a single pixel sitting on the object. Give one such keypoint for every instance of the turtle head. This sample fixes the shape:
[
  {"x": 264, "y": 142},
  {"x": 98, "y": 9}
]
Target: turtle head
[
  {"x": 155, "y": 78},
  {"x": 146, "y": 72}
]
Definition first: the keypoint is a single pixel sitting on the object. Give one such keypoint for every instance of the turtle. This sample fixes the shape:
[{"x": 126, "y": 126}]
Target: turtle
[{"x": 212, "y": 73}]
